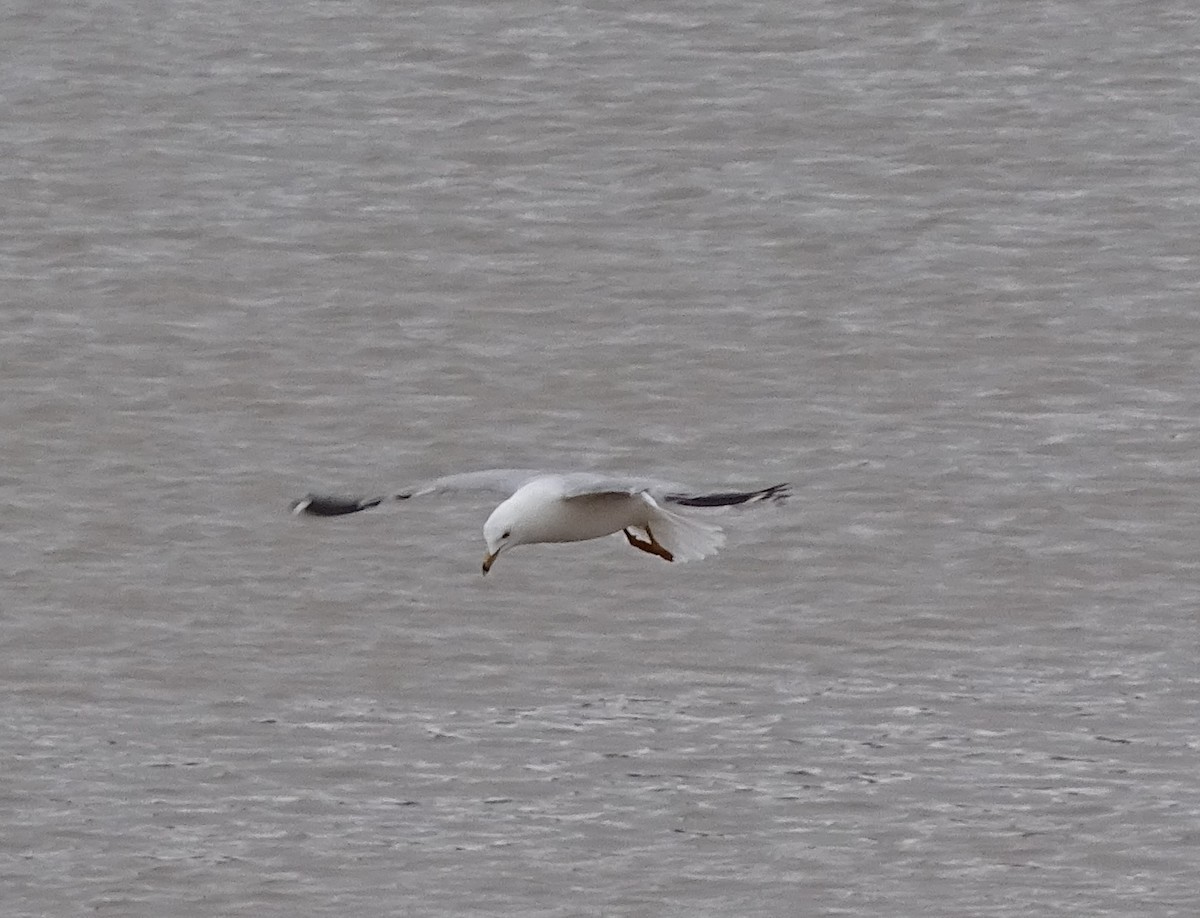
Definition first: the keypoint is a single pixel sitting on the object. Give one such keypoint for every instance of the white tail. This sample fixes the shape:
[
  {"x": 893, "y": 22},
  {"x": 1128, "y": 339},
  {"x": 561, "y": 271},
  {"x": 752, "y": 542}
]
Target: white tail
[{"x": 686, "y": 537}]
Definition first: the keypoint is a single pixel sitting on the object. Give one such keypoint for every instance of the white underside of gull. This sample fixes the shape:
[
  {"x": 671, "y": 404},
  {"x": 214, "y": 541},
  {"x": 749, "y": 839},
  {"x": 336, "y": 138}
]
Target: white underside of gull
[{"x": 547, "y": 510}]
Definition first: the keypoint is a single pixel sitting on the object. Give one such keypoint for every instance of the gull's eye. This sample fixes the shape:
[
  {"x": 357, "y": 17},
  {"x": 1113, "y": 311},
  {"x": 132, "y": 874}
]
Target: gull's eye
[{"x": 506, "y": 533}]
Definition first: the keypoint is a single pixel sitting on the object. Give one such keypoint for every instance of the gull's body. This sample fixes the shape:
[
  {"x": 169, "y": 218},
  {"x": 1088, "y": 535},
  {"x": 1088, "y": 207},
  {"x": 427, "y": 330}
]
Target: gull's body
[
  {"x": 545, "y": 512},
  {"x": 577, "y": 506}
]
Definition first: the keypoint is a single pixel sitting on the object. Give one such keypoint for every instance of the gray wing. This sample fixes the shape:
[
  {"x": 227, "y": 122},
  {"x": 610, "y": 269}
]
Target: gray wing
[
  {"x": 586, "y": 484},
  {"x": 489, "y": 481},
  {"x": 581, "y": 484}
]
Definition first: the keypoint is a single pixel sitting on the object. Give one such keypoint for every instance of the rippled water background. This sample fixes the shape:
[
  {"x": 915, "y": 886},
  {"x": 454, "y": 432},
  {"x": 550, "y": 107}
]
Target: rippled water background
[{"x": 934, "y": 263}]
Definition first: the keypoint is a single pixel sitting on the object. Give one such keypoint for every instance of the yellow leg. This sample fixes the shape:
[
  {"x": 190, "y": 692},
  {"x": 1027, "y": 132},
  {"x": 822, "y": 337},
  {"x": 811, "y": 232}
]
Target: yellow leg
[{"x": 652, "y": 547}]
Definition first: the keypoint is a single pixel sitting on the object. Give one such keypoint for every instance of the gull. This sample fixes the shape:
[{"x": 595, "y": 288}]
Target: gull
[{"x": 544, "y": 506}]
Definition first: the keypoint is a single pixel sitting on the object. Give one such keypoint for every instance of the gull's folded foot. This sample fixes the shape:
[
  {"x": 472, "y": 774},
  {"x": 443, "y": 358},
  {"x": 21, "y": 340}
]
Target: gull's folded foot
[{"x": 652, "y": 547}]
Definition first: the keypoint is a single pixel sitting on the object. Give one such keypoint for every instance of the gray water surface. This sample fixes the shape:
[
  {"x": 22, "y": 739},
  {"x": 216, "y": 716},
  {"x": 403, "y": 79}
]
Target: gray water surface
[{"x": 933, "y": 263}]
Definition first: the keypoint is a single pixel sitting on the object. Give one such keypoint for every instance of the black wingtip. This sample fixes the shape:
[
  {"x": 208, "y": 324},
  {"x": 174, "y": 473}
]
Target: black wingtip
[
  {"x": 775, "y": 494},
  {"x": 316, "y": 505}
]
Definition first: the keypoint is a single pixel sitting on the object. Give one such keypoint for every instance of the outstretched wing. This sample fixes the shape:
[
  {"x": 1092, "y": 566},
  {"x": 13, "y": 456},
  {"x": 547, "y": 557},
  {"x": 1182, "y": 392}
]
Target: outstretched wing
[
  {"x": 582, "y": 484},
  {"x": 489, "y": 481}
]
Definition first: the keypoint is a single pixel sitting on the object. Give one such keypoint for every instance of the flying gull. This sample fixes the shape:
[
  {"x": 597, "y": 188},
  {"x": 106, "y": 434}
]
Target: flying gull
[{"x": 574, "y": 506}]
